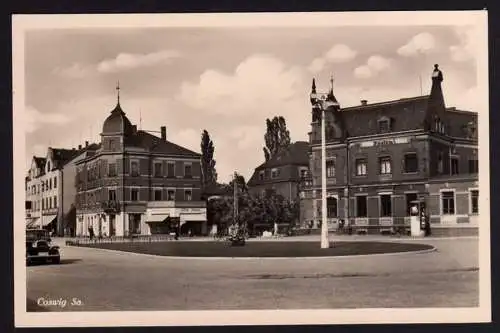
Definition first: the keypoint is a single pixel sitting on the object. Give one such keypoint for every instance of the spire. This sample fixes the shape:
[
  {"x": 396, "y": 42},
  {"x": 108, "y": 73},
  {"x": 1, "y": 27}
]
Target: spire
[
  {"x": 313, "y": 89},
  {"x": 118, "y": 92},
  {"x": 435, "y": 105},
  {"x": 331, "y": 84},
  {"x": 331, "y": 96}
]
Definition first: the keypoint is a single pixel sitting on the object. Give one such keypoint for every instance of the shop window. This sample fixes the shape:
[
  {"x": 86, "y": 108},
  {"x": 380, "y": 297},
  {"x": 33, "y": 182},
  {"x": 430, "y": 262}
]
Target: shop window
[
  {"x": 385, "y": 205},
  {"x": 331, "y": 207},
  {"x": 361, "y": 206},
  {"x": 448, "y": 202}
]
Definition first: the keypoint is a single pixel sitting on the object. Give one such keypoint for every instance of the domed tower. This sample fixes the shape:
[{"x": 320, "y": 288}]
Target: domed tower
[{"x": 115, "y": 128}]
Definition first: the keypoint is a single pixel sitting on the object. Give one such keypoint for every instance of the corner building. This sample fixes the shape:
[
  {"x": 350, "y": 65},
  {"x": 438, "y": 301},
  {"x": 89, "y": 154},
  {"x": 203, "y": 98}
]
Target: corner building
[
  {"x": 136, "y": 183},
  {"x": 381, "y": 157}
]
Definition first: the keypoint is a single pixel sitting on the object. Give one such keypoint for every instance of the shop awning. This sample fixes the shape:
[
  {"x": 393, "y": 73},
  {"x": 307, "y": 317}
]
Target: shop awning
[
  {"x": 48, "y": 219},
  {"x": 157, "y": 218},
  {"x": 192, "y": 217},
  {"x": 32, "y": 222}
]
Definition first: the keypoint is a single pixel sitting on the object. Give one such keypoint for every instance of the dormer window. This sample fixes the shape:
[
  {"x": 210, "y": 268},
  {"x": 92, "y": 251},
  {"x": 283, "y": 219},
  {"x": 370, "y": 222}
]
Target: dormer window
[
  {"x": 261, "y": 175},
  {"x": 384, "y": 125}
]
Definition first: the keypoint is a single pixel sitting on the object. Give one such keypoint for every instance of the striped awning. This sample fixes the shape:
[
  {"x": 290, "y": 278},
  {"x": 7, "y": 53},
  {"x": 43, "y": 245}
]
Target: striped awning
[
  {"x": 48, "y": 219},
  {"x": 32, "y": 222},
  {"x": 157, "y": 218}
]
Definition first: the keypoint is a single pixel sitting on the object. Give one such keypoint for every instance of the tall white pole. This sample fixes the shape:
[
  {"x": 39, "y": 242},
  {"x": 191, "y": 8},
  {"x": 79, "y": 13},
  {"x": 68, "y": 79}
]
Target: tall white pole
[
  {"x": 324, "y": 226},
  {"x": 41, "y": 205}
]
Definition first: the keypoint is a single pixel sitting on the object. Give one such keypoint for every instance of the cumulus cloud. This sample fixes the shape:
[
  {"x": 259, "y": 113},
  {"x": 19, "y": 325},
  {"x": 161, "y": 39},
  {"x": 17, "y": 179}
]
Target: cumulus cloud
[
  {"x": 188, "y": 138},
  {"x": 374, "y": 65},
  {"x": 467, "y": 46},
  {"x": 124, "y": 61},
  {"x": 337, "y": 54},
  {"x": 419, "y": 44},
  {"x": 75, "y": 71},
  {"x": 34, "y": 119}
]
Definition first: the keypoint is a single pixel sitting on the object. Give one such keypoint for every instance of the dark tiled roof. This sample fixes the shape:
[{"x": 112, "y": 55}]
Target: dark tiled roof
[
  {"x": 295, "y": 154},
  {"x": 117, "y": 122},
  {"x": 405, "y": 114},
  {"x": 155, "y": 144}
]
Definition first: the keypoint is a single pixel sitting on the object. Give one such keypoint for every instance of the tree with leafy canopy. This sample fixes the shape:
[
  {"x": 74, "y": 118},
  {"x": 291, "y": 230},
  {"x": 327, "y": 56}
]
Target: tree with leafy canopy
[
  {"x": 208, "y": 172},
  {"x": 277, "y": 137},
  {"x": 240, "y": 183}
]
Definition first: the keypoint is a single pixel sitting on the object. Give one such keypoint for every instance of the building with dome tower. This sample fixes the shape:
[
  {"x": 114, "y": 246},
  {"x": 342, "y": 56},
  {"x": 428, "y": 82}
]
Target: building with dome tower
[
  {"x": 383, "y": 158},
  {"x": 137, "y": 183}
]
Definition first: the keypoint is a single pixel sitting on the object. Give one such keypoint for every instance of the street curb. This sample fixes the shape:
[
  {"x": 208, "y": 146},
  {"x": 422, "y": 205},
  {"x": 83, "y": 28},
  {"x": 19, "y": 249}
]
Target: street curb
[{"x": 433, "y": 249}]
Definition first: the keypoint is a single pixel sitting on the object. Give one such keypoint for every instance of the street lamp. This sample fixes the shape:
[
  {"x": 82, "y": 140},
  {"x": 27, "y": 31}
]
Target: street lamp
[{"x": 321, "y": 102}]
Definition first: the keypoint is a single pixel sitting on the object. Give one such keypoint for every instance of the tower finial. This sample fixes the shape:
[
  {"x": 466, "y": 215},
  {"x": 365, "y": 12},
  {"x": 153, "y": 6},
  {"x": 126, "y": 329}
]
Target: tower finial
[
  {"x": 118, "y": 91},
  {"x": 331, "y": 82},
  {"x": 313, "y": 89}
]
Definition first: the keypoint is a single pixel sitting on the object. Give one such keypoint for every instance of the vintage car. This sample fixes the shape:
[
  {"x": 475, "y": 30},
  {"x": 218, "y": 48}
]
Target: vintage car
[{"x": 39, "y": 247}]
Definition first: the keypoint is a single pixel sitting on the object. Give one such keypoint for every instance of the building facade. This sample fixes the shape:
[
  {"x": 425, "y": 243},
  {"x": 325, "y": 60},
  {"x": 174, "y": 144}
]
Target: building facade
[
  {"x": 384, "y": 157},
  {"x": 44, "y": 194},
  {"x": 282, "y": 173},
  {"x": 136, "y": 183}
]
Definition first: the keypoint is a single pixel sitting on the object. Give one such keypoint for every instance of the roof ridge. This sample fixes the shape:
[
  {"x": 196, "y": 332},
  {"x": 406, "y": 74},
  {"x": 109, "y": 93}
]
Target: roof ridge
[{"x": 394, "y": 101}]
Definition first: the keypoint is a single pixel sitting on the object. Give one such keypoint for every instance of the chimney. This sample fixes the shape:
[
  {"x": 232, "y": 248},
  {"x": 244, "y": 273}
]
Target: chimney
[
  {"x": 134, "y": 129},
  {"x": 79, "y": 147},
  {"x": 86, "y": 144},
  {"x": 364, "y": 102},
  {"x": 163, "y": 131}
]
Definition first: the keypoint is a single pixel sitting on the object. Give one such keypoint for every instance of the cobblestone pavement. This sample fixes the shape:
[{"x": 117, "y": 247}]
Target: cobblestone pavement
[{"x": 108, "y": 280}]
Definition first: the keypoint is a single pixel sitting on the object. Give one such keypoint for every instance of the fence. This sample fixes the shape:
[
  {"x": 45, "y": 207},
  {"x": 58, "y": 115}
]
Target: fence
[{"x": 120, "y": 239}]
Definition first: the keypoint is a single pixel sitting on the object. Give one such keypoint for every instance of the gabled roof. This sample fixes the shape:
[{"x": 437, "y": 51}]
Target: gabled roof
[
  {"x": 295, "y": 154},
  {"x": 155, "y": 144}
]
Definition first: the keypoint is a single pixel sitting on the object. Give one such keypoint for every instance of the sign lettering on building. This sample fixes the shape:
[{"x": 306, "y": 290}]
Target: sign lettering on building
[{"x": 384, "y": 142}]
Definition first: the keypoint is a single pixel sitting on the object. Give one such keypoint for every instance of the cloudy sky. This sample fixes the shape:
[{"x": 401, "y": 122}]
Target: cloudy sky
[{"x": 228, "y": 81}]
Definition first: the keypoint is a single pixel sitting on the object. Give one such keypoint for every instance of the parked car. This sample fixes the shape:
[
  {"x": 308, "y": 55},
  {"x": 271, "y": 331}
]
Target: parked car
[{"x": 39, "y": 247}]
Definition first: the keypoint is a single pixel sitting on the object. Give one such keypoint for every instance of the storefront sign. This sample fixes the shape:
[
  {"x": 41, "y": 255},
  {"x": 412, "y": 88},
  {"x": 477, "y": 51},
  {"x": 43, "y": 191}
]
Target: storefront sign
[{"x": 382, "y": 142}]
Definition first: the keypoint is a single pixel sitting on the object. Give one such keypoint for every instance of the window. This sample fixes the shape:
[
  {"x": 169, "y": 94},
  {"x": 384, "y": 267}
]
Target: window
[
  {"x": 361, "y": 206},
  {"x": 385, "y": 165},
  {"x": 330, "y": 168},
  {"x": 55, "y": 182},
  {"x": 440, "y": 163},
  {"x": 111, "y": 144},
  {"x": 411, "y": 162},
  {"x": 111, "y": 195},
  {"x": 275, "y": 173},
  {"x": 385, "y": 205},
  {"x": 134, "y": 194},
  {"x": 171, "y": 195},
  {"x": 134, "y": 223},
  {"x": 303, "y": 173},
  {"x": 409, "y": 198},
  {"x": 157, "y": 195},
  {"x": 188, "y": 195},
  {"x": 331, "y": 207},
  {"x": 454, "y": 166},
  {"x": 50, "y": 202},
  {"x": 473, "y": 166},
  {"x": 188, "y": 171},
  {"x": 261, "y": 175},
  {"x": 134, "y": 168},
  {"x": 112, "y": 170},
  {"x": 171, "y": 169},
  {"x": 158, "y": 169},
  {"x": 55, "y": 202},
  {"x": 50, "y": 183},
  {"x": 383, "y": 126},
  {"x": 448, "y": 202},
  {"x": 361, "y": 167},
  {"x": 474, "y": 201}
]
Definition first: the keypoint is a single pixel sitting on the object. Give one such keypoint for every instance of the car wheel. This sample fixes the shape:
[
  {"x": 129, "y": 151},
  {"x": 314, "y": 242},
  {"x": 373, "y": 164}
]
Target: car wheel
[{"x": 57, "y": 260}]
